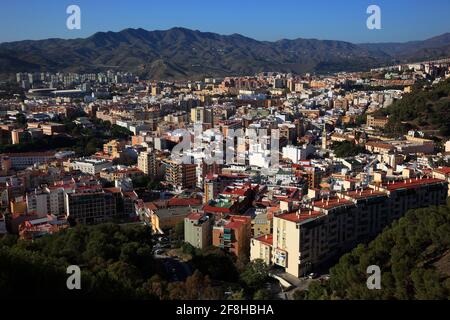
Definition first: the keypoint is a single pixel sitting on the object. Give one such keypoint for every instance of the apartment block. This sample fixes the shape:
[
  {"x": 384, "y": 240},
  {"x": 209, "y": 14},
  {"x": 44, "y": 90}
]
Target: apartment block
[
  {"x": 91, "y": 205},
  {"x": 90, "y": 165},
  {"x": 261, "y": 248},
  {"x": 113, "y": 148},
  {"x": 147, "y": 163},
  {"x": 48, "y": 200},
  {"x": 20, "y": 161},
  {"x": 198, "y": 229},
  {"x": 305, "y": 238},
  {"x": 180, "y": 175},
  {"x": 202, "y": 115},
  {"x": 376, "y": 122},
  {"x": 233, "y": 235}
]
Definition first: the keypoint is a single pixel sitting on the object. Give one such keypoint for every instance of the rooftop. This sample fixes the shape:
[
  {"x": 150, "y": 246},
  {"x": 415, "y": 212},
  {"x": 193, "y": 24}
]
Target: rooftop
[
  {"x": 267, "y": 239},
  {"x": 443, "y": 170},
  {"x": 300, "y": 216},
  {"x": 410, "y": 183},
  {"x": 364, "y": 194},
  {"x": 331, "y": 203}
]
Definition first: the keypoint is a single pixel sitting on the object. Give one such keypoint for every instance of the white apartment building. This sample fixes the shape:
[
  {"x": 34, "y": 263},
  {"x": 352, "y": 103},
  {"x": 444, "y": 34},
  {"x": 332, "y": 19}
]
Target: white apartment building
[
  {"x": 90, "y": 165},
  {"x": 297, "y": 154},
  {"x": 46, "y": 201}
]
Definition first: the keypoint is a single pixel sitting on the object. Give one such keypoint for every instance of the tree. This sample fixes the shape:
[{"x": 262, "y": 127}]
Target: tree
[
  {"x": 239, "y": 295},
  {"x": 411, "y": 253},
  {"x": 423, "y": 107},
  {"x": 216, "y": 264},
  {"x": 125, "y": 159},
  {"x": 156, "y": 286},
  {"x": 117, "y": 262},
  {"x": 347, "y": 149},
  {"x": 262, "y": 294},
  {"x": 300, "y": 294},
  {"x": 93, "y": 146},
  {"x": 21, "y": 119},
  {"x": 256, "y": 273}
]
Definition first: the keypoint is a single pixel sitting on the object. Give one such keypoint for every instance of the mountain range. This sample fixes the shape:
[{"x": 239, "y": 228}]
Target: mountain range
[{"x": 180, "y": 53}]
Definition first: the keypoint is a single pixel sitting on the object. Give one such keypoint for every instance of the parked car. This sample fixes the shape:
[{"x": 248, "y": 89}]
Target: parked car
[{"x": 312, "y": 275}]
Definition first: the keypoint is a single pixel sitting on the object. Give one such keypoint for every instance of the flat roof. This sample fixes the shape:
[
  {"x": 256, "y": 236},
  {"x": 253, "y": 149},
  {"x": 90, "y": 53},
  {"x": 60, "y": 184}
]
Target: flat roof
[
  {"x": 411, "y": 183},
  {"x": 300, "y": 216}
]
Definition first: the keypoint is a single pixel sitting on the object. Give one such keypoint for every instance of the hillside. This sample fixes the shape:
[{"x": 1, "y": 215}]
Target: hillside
[
  {"x": 426, "y": 108},
  {"x": 115, "y": 262},
  {"x": 182, "y": 53},
  {"x": 413, "y": 255}
]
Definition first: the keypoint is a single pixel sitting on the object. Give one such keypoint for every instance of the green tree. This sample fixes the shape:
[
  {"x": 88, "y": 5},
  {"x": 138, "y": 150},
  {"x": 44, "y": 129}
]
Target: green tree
[
  {"x": 262, "y": 294},
  {"x": 347, "y": 149},
  {"x": 256, "y": 273}
]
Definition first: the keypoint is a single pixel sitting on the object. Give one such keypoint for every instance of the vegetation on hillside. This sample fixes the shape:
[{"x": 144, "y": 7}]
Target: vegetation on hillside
[
  {"x": 426, "y": 108},
  {"x": 347, "y": 149},
  {"x": 413, "y": 255},
  {"x": 84, "y": 141},
  {"x": 117, "y": 262}
]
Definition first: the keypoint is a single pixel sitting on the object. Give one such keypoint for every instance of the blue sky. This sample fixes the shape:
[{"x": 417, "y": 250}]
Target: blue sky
[{"x": 402, "y": 20}]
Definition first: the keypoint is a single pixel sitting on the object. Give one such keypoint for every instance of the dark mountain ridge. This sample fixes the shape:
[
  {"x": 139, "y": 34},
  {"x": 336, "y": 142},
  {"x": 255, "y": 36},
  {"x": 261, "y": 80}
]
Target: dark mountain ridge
[{"x": 180, "y": 53}]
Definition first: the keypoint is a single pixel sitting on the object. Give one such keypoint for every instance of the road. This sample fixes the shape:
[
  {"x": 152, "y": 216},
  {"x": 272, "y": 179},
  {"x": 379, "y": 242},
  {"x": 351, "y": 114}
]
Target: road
[
  {"x": 176, "y": 269},
  {"x": 297, "y": 284}
]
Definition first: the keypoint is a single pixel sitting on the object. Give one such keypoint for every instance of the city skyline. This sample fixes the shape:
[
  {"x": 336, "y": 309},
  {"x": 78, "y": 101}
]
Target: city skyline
[
  {"x": 323, "y": 20},
  {"x": 225, "y": 152}
]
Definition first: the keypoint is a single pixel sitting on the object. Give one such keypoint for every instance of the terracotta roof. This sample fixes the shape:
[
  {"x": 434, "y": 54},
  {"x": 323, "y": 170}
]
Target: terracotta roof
[
  {"x": 194, "y": 216},
  {"x": 331, "y": 203},
  {"x": 267, "y": 239},
  {"x": 112, "y": 190},
  {"x": 299, "y": 217},
  {"x": 150, "y": 206},
  {"x": 443, "y": 170},
  {"x": 208, "y": 208},
  {"x": 366, "y": 193},
  {"x": 411, "y": 183}
]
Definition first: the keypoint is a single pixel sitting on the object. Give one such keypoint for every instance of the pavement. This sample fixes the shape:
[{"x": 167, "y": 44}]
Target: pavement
[{"x": 297, "y": 284}]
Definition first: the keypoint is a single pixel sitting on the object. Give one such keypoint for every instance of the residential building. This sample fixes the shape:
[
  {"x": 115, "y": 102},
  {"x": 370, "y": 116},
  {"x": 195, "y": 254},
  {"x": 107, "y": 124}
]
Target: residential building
[
  {"x": 91, "y": 205},
  {"x": 147, "y": 163},
  {"x": 305, "y": 238},
  {"x": 113, "y": 148},
  {"x": 198, "y": 229},
  {"x": 20, "y": 161},
  {"x": 442, "y": 173},
  {"x": 90, "y": 165},
  {"x": 180, "y": 175},
  {"x": 376, "y": 122},
  {"x": 233, "y": 235}
]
